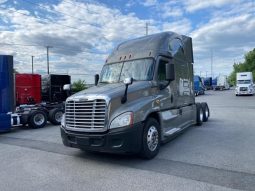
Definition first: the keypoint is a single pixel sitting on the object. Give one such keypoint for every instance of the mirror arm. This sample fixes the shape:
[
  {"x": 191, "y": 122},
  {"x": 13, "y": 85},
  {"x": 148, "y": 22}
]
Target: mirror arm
[
  {"x": 162, "y": 86},
  {"x": 124, "y": 98}
]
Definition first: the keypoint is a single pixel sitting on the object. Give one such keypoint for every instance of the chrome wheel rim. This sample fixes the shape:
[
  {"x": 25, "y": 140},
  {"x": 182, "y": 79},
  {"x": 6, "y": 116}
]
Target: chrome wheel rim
[
  {"x": 58, "y": 116},
  {"x": 39, "y": 119},
  {"x": 152, "y": 138}
]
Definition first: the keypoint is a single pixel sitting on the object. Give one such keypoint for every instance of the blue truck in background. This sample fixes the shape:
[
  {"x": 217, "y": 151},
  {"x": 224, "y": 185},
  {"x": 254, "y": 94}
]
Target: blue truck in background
[
  {"x": 208, "y": 83},
  {"x": 198, "y": 86},
  {"x": 6, "y": 92},
  {"x": 214, "y": 83}
]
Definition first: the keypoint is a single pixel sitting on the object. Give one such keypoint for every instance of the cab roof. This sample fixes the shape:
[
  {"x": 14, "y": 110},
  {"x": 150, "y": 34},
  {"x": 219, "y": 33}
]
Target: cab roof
[{"x": 149, "y": 46}]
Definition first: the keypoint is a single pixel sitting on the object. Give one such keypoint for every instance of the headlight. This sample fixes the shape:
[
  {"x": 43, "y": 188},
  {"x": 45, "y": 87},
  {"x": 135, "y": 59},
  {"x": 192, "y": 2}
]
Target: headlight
[
  {"x": 124, "y": 119},
  {"x": 63, "y": 120}
]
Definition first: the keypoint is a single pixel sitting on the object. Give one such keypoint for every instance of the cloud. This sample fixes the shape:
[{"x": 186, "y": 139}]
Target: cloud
[
  {"x": 81, "y": 36},
  {"x": 148, "y": 3},
  {"x": 170, "y": 9},
  {"x": 194, "y": 5},
  {"x": 228, "y": 38},
  {"x": 3, "y": 1},
  {"x": 182, "y": 26}
]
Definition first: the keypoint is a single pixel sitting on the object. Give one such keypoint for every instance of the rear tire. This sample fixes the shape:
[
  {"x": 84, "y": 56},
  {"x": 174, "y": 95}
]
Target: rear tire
[
  {"x": 206, "y": 111},
  {"x": 150, "y": 139},
  {"x": 55, "y": 116},
  {"x": 199, "y": 114},
  {"x": 37, "y": 119}
]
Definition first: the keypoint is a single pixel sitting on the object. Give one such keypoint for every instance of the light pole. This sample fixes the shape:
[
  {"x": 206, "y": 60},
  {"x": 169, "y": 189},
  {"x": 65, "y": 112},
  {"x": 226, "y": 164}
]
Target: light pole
[
  {"x": 48, "y": 65},
  {"x": 32, "y": 64},
  {"x": 147, "y": 28}
]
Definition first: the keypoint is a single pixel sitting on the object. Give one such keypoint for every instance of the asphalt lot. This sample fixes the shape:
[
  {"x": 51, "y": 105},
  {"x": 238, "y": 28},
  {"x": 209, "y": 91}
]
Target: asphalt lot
[{"x": 219, "y": 155}]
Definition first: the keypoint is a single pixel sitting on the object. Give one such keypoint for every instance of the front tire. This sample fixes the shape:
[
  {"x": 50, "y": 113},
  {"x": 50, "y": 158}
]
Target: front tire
[
  {"x": 37, "y": 119},
  {"x": 150, "y": 139},
  {"x": 55, "y": 116},
  {"x": 206, "y": 111},
  {"x": 199, "y": 114}
]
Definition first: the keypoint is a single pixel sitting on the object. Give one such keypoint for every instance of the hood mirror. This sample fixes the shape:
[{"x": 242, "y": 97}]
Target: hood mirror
[
  {"x": 67, "y": 87},
  {"x": 128, "y": 81},
  {"x": 96, "y": 79}
]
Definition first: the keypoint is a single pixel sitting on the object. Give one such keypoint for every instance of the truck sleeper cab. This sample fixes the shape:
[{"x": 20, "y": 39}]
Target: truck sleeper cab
[{"x": 144, "y": 96}]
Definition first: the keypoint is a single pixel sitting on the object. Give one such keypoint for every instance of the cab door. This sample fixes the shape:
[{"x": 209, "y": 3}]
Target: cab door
[{"x": 170, "y": 114}]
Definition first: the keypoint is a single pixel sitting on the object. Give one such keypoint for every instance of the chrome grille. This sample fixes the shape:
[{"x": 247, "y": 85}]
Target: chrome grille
[
  {"x": 243, "y": 89},
  {"x": 88, "y": 115}
]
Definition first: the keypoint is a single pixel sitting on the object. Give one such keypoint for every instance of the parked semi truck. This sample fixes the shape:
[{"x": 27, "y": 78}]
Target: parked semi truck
[
  {"x": 244, "y": 83},
  {"x": 143, "y": 97},
  {"x": 28, "y": 89},
  {"x": 41, "y": 98},
  {"x": 30, "y": 111},
  {"x": 214, "y": 83},
  {"x": 222, "y": 83},
  {"x": 208, "y": 83},
  {"x": 198, "y": 86}
]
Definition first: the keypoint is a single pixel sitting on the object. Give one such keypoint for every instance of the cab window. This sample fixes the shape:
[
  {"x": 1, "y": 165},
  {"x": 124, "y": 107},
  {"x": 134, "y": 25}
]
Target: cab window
[{"x": 162, "y": 70}]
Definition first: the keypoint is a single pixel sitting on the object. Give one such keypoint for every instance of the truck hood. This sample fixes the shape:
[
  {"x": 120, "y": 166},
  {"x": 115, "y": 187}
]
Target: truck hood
[{"x": 111, "y": 90}]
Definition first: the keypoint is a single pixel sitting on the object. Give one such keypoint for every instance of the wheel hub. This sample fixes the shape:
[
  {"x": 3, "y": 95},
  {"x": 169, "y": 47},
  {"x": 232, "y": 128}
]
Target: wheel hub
[
  {"x": 39, "y": 119},
  {"x": 58, "y": 116},
  {"x": 152, "y": 138}
]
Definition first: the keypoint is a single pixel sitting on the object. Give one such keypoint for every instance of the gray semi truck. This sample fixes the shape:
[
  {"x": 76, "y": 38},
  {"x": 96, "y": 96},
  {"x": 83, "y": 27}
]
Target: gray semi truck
[{"x": 143, "y": 97}]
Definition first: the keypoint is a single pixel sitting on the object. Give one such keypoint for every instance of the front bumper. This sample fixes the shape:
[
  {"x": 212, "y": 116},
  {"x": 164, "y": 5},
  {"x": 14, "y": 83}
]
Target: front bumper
[
  {"x": 120, "y": 140},
  {"x": 244, "y": 93}
]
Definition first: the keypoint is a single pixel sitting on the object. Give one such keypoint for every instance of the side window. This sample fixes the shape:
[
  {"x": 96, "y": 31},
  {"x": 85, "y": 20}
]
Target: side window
[
  {"x": 175, "y": 45},
  {"x": 162, "y": 70}
]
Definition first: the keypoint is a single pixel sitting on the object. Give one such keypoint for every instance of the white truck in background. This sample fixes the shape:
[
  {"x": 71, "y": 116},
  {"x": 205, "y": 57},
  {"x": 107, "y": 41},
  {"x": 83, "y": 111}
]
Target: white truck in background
[
  {"x": 244, "y": 83},
  {"x": 222, "y": 83}
]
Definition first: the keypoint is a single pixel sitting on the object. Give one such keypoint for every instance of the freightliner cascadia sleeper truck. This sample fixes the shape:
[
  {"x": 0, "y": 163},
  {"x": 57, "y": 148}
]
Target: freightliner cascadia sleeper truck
[{"x": 144, "y": 96}]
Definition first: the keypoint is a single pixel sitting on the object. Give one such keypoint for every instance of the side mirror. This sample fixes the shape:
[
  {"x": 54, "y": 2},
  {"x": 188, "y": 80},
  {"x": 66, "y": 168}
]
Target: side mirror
[
  {"x": 170, "y": 73},
  {"x": 128, "y": 81},
  {"x": 67, "y": 87},
  {"x": 96, "y": 79}
]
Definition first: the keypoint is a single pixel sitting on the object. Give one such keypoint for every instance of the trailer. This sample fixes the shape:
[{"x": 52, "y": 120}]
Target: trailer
[{"x": 222, "y": 83}]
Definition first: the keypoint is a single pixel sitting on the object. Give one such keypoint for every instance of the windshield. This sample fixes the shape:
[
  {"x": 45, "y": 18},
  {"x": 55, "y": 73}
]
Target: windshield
[
  {"x": 243, "y": 81},
  {"x": 137, "y": 69}
]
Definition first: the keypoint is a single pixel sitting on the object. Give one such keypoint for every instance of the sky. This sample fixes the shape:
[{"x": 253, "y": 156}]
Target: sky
[{"x": 81, "y": 33}]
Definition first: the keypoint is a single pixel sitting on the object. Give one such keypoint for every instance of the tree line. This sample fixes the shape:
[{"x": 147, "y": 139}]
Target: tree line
[{"x": 247, "y": 66}]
